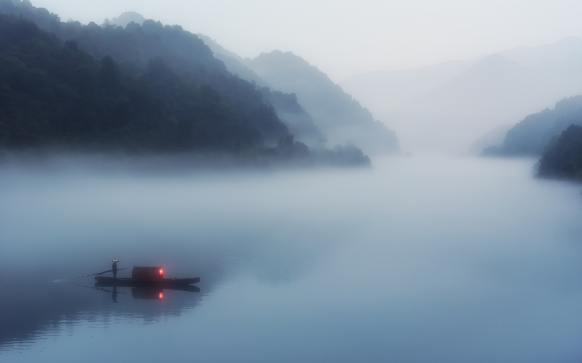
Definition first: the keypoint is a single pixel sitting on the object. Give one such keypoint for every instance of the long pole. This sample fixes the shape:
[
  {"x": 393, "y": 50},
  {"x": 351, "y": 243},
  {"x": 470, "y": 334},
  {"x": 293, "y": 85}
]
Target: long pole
[{"x": 98, "y": 273}]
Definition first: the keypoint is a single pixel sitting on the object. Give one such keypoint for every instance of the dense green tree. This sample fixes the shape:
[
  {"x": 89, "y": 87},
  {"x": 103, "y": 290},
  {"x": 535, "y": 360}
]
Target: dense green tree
[
  {"x": 55, "y": 95},
  {"x": 134, "y": 46},
  {"x": 562, "y": 158}
]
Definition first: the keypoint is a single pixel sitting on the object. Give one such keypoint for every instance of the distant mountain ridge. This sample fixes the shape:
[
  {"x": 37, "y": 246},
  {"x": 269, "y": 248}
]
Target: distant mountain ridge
[
  {"x": 491, "y": 140},
  {"x": 546, "y": 53},
  {"x": 56, "y": 96},
  {"x": 386, "y": 90},
  {"x": 232, "y": 61},
  {"x": 495, "y": 90},
  {"x": 288, "y": 109},
  {"x": 337, "y": 114},
  {"x": 340, "y": 118},
  {"x": 531, "y": 136}
]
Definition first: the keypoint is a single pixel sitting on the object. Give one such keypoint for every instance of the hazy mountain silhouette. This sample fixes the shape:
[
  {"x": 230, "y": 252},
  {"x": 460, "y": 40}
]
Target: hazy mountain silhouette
[
  {"x": 294, "y": 116},
  {"x": 530, "y": 136},
  {"x": 492, "y": 139},
  {"x": 495, "y": 90},
  {"x": 298, "y": 121},
  {"x": 288, "y": 109},
  {"x": 232, "y": 61},
  {"x": 381, "y": 91},
  {"x": 452, "y": 116},
  {"x": 339, "y": 117},
  {"x": 547, "y": 53}
]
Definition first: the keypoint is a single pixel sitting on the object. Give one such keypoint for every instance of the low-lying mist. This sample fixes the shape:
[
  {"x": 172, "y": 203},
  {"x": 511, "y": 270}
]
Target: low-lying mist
[{"x": 417, "y": 259}]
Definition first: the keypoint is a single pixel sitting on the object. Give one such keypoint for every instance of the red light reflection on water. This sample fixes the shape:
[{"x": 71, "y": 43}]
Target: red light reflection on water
[
  {"x": 161, "y": 272},
  {"x": 161, "y": 295}
]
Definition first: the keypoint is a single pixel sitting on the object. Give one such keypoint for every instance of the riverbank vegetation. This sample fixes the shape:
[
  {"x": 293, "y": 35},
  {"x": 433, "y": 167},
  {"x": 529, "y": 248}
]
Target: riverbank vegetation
[{"x": 562, "y": 158}]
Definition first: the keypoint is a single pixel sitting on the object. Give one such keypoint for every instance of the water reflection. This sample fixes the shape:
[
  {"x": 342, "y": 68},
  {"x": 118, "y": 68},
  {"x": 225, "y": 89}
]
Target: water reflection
[
  {"x": 35, "y": 304},
  {"x": 147, "y": 293},
  {"x": 113, "y": 293},
  {"x": 416, "y": 261}
]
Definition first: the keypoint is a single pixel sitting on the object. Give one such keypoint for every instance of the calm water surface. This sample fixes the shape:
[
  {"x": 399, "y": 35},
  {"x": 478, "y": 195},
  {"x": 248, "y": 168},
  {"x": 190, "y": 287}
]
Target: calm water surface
[{"x": 421, "y": 259}]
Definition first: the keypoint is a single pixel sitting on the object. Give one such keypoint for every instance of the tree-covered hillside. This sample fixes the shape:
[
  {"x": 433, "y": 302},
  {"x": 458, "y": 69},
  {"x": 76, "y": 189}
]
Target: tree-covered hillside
[
  {"x": 562, "y": 158},
  {"x": 530, "y": 136},
  {"x": 53, "y": 94},
  {"x": 144, "y": 88},
  {"x": 184, "y": 53},
  {"x": 339, "y": 117}
]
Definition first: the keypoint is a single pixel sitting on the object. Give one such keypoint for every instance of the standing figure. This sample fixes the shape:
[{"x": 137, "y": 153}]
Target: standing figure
[{"x": 114, "y": 268}]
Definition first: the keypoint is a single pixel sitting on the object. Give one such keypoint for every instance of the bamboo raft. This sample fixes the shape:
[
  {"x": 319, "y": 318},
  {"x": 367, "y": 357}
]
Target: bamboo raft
[{"x": 145, "y": 276}]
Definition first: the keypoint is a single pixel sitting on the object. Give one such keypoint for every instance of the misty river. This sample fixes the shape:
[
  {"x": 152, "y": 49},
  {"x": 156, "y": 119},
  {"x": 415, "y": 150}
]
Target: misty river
[{"x": 418, "y": 259}]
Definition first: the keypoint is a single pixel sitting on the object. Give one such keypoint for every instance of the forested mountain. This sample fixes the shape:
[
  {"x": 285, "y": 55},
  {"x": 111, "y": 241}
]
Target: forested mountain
[
  {"x": 292, "y": 114},
  {"x": 530, "y": 136},
  {"x": 54, "y": 95},
  {"x": 183, "y": 52},
  {"x": 339, "y": 117},
  {"x": 372, "y": 136},
  {"x": 562, "y": 157},
  {"x": 143, "y": 88}
]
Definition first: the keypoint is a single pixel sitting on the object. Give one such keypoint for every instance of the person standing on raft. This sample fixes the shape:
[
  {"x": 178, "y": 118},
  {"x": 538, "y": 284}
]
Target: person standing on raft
[{"x": 114, "y": 268}]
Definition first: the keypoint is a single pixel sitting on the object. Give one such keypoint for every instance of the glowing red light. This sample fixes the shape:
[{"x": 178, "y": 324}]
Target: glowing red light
[
  {"x": 161, "y": 272},
  {"x": 161, "y": 295}
]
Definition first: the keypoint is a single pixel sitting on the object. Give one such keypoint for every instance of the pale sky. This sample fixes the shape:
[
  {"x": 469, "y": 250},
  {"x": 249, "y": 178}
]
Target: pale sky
[{"x": 346, "y": 37}]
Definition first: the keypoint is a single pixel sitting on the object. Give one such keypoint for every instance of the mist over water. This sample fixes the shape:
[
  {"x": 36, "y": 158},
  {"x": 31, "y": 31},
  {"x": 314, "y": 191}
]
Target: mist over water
[{"x": 420, "y": 259}]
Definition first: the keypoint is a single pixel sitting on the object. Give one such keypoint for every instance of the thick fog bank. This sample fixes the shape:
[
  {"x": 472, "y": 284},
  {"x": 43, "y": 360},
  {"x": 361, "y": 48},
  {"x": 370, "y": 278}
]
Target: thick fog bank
[
  {"x": 287, "y": 155},
  {"x": 420, "y": 259}
]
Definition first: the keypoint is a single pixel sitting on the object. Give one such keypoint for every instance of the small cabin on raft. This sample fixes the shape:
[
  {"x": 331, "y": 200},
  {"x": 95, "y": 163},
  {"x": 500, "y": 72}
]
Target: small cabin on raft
[{"x": 147, "y": 273}]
